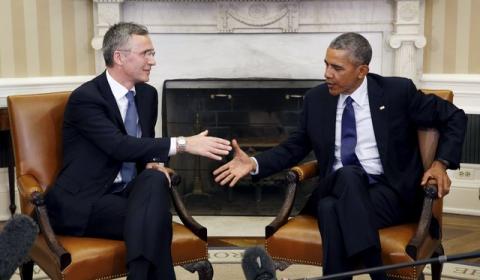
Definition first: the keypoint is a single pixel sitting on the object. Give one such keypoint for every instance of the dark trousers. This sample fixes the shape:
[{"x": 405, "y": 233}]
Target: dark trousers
[
  {"x": 350, "y": 211},
  {"x": 140, "y": 215}
]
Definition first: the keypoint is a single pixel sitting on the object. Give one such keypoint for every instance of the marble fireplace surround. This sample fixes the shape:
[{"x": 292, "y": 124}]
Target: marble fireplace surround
[{"x": 274, "y": 39}]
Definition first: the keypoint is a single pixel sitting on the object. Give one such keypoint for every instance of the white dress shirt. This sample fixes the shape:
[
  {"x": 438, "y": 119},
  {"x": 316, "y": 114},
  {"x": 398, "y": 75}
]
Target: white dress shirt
[
  {"x": 366, "y": 149},
  {"x": 120, "y": 95}
]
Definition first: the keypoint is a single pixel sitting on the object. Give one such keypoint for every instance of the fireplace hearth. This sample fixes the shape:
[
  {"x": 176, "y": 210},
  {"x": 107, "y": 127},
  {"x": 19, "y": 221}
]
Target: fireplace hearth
[{"x": 259, "y": 113}]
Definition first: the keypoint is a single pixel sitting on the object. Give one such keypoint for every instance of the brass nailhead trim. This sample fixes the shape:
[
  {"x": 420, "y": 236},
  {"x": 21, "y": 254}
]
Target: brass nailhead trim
[
  {"x": 125, "y": 274},
  {"x": 111, "y": 276},
  {"x": 320, "y": 264},
  {"x": 293, "y": 260},
  {"x": 405, "y": 277}
]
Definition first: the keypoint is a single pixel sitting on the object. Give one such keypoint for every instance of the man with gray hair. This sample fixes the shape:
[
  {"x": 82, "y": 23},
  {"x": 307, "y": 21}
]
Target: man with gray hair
[
  {"x": 362, "y": 128},
  {"x": 113, "y": 183}
]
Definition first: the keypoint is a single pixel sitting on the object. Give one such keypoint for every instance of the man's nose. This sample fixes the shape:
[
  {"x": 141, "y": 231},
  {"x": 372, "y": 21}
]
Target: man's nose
[
  {"x": 152, "y": 61},
  {"x": 328, "y": 73}
]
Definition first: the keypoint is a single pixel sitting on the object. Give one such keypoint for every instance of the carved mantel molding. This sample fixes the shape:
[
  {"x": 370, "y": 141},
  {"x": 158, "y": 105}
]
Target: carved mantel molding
[
  {"x": 271, "y": 15},
  {"x": 398, "y": 21}
]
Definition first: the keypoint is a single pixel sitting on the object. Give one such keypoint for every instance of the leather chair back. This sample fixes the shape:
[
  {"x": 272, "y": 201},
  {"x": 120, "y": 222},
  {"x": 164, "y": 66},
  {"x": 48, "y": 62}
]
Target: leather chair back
[{"x": 39, "y": 119}]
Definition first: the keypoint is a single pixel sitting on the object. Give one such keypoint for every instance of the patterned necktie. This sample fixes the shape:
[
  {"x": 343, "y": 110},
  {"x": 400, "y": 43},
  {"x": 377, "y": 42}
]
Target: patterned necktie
[
  {"x": 349, "y": 135},
  {"x": 131, "y": 125}
]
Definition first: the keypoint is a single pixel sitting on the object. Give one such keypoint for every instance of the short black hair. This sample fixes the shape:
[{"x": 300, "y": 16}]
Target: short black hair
[{"x": 358, "y": 47}]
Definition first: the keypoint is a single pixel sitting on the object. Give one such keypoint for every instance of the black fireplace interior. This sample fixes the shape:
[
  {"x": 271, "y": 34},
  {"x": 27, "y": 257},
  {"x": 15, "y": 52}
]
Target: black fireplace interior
[{"x": 259, "y": 113}]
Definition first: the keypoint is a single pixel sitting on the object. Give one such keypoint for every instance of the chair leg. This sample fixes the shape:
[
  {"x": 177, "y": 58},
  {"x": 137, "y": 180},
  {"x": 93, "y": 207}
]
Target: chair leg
[
  {"x": 26, "y": 271},
  {"x": 204, "y": 269},
  {"x": 281, "y": 265},
  {"x": 437, "y": 267}
]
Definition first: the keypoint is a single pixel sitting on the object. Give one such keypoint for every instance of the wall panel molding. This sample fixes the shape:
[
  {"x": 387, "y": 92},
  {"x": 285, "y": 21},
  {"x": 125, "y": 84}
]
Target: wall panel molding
[
  {"x": 464, "y": 196},
  {"x": 466, "y": 88},
  {"x": 10, "y": 86}
]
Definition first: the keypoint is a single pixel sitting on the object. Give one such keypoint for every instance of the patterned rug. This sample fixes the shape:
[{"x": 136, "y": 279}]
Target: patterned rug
[{"x": 226, "y": 266}]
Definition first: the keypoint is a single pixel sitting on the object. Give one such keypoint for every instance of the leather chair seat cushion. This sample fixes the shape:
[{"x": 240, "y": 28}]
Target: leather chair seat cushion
[
  {"x": 299, "y": 241},
  {"x": 105, "y": 259},
  {"x": 92, "y": 258},
  {"x": 186, "y": 246}
]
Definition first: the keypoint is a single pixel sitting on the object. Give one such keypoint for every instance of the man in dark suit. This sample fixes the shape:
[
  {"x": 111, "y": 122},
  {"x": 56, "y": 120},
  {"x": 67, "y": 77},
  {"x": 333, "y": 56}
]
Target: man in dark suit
[
  {"x": 363, "y": 130},
  {"x": 113, "y": 183}
]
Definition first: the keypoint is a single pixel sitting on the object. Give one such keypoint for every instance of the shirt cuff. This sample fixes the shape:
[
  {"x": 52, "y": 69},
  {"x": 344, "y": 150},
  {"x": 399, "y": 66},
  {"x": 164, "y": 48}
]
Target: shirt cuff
[
  {"x": 257, "y": 168},
  {"x": 444, "y": 161},
  {"x": 173, "y": 147}
]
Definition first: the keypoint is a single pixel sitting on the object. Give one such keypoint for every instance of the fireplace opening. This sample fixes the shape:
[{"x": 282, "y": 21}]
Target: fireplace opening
[{"x": 259, "y": 113}]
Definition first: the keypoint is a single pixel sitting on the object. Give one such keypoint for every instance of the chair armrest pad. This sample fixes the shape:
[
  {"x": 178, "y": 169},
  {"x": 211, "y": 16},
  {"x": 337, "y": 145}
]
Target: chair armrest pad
[
  {"x": 27, "y": 185},
  {"x": 306, "y": 170}
]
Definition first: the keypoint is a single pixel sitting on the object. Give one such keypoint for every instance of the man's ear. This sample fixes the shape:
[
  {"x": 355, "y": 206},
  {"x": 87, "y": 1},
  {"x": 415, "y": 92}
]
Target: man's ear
[
  {"x": 117, "y": 58},
  {"x": 363, "y": 71}
]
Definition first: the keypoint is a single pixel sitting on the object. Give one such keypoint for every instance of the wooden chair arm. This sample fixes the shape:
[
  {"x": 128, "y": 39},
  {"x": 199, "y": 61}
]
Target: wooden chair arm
[
  {"x": 181, "y": 210},
  {"x": 63, "y": 257},
  {"x": 306, "y": 170},
  {"x": 428, "y": 225},
  {"x": 284, "y": 213},
  {"x": 31, "y": 195},
  {"x": 295, "y": 175}
]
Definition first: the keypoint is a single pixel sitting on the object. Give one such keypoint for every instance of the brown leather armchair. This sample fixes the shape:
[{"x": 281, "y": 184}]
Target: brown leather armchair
[
  {"x": 297, "y": 240},
  {"x": 36, "y": 127}
]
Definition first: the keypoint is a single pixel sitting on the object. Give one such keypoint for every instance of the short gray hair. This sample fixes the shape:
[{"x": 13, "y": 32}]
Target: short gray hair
[
  {"x": 357, "y": 46},
  {"x": 117, "y": 36}
]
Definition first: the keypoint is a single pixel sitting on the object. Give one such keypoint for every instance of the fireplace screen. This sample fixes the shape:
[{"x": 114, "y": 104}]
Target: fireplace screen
[{"x": 259, "y": 113}]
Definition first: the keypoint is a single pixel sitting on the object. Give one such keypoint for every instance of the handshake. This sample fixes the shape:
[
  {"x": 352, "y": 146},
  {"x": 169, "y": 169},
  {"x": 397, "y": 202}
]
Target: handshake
[{"x": 215, "y": 148}]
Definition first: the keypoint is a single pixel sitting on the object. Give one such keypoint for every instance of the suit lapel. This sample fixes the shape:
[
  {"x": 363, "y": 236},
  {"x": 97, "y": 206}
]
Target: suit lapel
[
  {"x": 379, "y": 113},
  {"x": 329, "y": 123},
  {"x": 107, "y": 94}
]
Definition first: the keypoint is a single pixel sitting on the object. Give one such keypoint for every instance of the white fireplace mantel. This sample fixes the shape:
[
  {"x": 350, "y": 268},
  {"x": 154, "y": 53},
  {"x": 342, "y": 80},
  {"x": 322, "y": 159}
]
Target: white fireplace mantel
[{"x": 252, "y": 34}]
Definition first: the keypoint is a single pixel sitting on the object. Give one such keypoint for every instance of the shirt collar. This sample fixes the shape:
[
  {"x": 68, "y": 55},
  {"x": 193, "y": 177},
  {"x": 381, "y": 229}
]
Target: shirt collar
[
  {"x": 360, "y": 95},
  {"x": 118, "y": 90}
]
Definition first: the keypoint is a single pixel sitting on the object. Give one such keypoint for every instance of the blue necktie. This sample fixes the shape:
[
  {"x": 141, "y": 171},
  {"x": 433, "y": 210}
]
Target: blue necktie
[
  {"x": 131, "y": 125},
  {"x": 349, "y": 135}
]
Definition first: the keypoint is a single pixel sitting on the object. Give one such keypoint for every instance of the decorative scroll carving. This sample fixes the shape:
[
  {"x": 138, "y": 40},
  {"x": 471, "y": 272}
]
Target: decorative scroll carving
[
  {"x": 407, "y": 39},
  {"x": 281, "y": 15},
  {"x": 398, "y": 20},
  {"x": 396, "y": 40},
  {"x": 408, "y": 11}
]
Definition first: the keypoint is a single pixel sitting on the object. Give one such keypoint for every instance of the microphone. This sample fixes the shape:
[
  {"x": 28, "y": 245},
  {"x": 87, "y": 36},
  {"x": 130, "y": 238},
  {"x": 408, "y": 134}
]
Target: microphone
[
  {"x": 258, "y": 265},
  {"x": 439, "y": 259},
  {"x": 16, "y": 239}
]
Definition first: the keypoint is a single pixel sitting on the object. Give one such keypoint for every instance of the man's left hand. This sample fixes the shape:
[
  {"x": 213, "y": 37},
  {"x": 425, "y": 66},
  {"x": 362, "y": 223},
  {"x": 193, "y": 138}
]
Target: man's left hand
[{"x": 438, "y": 172}]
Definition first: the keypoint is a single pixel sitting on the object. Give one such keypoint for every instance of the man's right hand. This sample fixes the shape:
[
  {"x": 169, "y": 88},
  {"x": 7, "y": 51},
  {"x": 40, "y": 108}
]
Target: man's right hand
[
  {"x": 240, "y": 166},
  {"x": 207, "y": 146}
]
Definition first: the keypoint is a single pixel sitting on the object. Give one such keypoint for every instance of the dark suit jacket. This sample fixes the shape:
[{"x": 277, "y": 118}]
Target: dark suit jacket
[
  {"x": 395, "y": 127},
  {"x": 95, "y": 144}
]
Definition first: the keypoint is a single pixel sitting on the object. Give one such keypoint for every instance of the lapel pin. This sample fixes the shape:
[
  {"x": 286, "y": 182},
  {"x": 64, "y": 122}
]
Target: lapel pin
[{"x": 382, "y": 107}]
